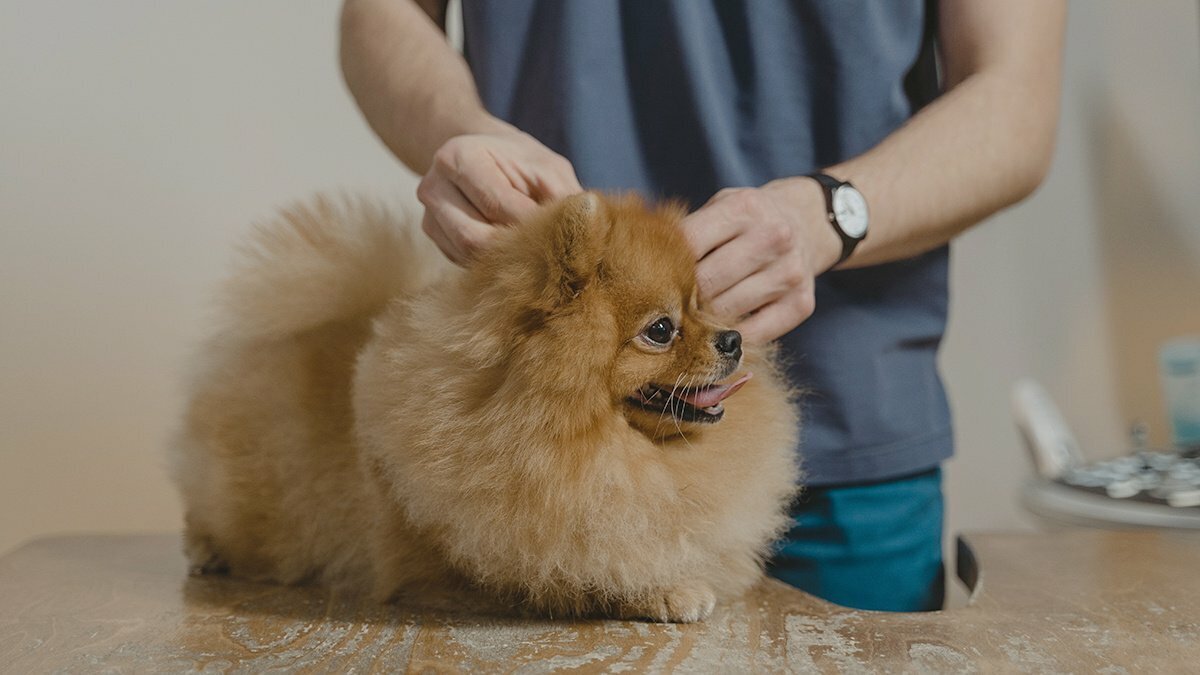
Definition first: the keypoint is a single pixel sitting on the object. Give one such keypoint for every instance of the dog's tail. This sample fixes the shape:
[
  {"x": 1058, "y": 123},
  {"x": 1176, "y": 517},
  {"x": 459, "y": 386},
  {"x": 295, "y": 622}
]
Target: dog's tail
[{"x": 323, "y": 261}]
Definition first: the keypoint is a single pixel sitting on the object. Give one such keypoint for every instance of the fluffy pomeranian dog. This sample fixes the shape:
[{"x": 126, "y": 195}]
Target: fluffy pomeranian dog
[{"x": 555, "y": 426}]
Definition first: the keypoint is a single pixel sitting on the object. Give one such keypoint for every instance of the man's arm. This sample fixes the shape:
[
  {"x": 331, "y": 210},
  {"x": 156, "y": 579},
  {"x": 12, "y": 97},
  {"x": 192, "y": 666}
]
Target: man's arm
[
  {"x": 418, "y": 95},
  {"x": 413, "y": 88},
  {"x": 986, "y": 143}
]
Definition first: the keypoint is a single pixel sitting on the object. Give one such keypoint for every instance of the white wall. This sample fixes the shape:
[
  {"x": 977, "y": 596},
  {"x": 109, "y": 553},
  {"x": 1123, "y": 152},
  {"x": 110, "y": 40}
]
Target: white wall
[{"x": 138, "y": 138}]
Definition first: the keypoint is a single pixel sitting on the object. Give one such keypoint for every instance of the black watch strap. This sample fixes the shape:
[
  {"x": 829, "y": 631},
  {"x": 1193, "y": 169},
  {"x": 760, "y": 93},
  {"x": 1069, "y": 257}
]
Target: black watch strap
[{"x": 828, "y": 185}]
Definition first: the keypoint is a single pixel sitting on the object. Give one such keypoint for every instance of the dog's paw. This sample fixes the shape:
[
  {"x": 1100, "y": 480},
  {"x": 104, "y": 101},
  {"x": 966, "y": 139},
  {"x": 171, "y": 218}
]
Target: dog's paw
[
  {"x": 685, "y": 603},
  {"x": 688, "y": 604},
  {"x": 211, "y": 565},
  {"x": 202, "y": 557}
]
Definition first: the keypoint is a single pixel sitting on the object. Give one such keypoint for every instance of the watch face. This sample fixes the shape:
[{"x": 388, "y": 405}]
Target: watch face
[{"x": 851, "y": 211}]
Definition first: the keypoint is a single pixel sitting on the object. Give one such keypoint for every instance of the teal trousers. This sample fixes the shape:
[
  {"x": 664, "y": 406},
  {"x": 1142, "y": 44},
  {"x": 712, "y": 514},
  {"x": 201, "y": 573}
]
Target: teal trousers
[{"x": 872, "y": 546}]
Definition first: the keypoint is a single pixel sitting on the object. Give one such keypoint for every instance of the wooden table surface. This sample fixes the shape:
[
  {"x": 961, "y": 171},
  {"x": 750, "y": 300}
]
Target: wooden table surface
[{"x": 1076, "y": 601}]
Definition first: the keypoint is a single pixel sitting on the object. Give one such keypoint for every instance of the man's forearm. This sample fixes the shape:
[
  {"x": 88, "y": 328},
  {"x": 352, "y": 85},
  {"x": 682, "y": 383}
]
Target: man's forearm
[
  {"x": 414, "y": 89},
  {"x": 984, "y": 145}
]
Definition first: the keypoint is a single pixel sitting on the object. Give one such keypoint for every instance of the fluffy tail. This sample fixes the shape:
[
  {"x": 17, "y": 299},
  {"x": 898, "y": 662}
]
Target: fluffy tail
[{"x": 323, "y": 261}]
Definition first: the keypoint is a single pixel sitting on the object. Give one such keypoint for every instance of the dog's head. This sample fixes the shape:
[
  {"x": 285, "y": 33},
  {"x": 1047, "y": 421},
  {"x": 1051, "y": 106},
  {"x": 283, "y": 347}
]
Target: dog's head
[{"x": 606, "y": 312}]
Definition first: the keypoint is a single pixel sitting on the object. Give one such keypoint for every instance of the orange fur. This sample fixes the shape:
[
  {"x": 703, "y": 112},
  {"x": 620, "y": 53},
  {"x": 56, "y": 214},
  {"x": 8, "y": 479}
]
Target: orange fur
[{"x": 370, "y": 418}]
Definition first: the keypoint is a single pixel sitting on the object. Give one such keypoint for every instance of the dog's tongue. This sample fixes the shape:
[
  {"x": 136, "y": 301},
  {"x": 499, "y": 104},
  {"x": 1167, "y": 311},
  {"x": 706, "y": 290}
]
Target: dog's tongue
[{"x": 706, "y": 397}]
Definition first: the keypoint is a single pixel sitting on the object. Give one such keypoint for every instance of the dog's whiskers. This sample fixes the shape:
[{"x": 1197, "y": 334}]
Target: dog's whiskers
[
  {"x": 676, "y": 419},
  {"x": 667, "y": 406}
]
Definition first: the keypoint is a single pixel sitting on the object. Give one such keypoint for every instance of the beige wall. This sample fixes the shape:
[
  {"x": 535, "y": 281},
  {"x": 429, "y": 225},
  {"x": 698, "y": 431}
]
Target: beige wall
[
  {"x": 1079, "y": 285},
  {"x": 138, "y": 138}
]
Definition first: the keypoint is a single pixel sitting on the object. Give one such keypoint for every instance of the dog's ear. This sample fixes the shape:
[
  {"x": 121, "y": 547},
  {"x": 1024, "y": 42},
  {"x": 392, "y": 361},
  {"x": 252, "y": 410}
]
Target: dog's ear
[{"x": 575, "y": 247}]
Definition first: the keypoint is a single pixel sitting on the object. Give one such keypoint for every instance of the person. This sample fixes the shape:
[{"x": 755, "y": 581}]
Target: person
[{"x": 934, "y": 115}]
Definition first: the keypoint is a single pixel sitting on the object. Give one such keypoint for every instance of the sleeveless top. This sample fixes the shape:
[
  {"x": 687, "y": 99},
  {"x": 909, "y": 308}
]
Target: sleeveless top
[{"x": 680, "y": 98}]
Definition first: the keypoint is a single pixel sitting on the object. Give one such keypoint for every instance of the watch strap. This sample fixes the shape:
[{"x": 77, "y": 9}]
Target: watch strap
[{"x": 829, "y": 184}]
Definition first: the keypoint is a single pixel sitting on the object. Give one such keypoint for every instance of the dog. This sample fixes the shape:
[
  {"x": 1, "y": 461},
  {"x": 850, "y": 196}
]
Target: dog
[{"x": 560, "y": 426}]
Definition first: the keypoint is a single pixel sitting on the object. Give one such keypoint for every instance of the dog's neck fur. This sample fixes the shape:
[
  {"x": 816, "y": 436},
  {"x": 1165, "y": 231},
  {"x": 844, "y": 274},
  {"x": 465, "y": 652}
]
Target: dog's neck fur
[{"x": 565, "y": 399}]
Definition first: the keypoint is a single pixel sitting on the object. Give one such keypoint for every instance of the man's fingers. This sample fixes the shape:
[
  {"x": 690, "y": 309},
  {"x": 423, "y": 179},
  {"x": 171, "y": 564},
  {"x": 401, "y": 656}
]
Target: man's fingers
[
  {"x": 559, "y": 183},
  {"x": 491, "y": 193},
  {"x": 550, "y": 189},
  {"x": 708, "y": 229},
  {"x": 724, "y": 193},
  {"x": 453, "y": 223},
  {"x": 755, "y": 291},
  {"x": 724, "y": 216},
  {"x": 764, "y": 325},
  {"x": 776, "y": 319},
  {"x": 433, "y": 230},
  {"x": 728, "y": 265}
]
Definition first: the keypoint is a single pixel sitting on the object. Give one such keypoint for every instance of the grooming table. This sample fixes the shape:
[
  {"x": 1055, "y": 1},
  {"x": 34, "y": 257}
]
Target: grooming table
[{"x": 1074, "y": 601}]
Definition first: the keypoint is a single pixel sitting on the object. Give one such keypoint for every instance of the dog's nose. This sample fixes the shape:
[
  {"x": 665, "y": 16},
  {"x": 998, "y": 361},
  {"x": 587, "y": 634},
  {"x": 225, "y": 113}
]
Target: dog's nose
[{"x": 729, "y": 343}]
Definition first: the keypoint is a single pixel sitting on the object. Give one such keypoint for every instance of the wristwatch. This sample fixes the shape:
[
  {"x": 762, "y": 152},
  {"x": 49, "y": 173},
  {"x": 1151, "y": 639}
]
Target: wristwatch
[{"x": 846, "y": 209}]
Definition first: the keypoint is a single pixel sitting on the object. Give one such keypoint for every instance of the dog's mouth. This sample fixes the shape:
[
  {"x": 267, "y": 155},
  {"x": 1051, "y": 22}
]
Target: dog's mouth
[{"x": 688, "y": 404}]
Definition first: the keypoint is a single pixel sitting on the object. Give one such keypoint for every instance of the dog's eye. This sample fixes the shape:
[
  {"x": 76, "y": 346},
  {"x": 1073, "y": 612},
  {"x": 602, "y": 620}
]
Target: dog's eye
[{"x": 661, "y": 331}]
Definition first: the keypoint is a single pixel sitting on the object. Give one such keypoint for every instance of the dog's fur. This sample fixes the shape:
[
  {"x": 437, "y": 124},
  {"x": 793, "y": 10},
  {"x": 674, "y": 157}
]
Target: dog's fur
[{"x": 372, "y": 418}]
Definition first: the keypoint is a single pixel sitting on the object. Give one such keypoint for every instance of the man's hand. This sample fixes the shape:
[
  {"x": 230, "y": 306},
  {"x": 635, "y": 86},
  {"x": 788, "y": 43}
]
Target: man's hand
[
  {"x": 418, "y": 94},
  {"x": 479, "y": 181},
  {"x": 759, "y": 252}
]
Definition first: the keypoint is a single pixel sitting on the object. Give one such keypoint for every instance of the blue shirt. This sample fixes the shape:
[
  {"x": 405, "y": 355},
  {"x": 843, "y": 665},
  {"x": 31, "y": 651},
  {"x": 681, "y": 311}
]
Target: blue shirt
[{"x": 680, "y": 98}]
